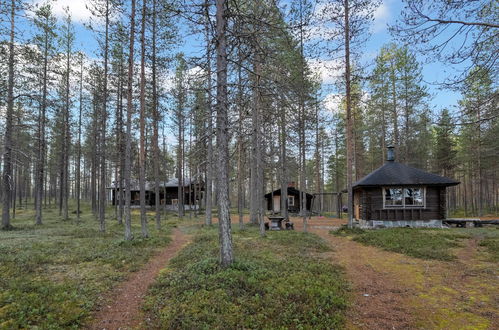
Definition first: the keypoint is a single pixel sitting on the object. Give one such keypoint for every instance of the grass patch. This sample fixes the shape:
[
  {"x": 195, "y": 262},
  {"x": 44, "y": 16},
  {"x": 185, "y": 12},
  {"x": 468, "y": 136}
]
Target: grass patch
[
  {"x": 491, "y": 244},
  {"x": 276, "y": 282},
  {"x": 52, "y": 274},
  {"x": 421, "y": 243}
]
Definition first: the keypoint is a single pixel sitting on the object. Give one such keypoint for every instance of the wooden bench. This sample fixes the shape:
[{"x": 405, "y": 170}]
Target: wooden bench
[
  {"x": 276, "y": 223},
  {"x": 463, "y": 222}
]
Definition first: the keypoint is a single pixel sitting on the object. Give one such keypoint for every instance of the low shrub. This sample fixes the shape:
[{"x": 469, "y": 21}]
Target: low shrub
[
  {"x": 421, "y": 243},
  {"x": 276, "y": 282},
  {"x": 51, "y": 275}
]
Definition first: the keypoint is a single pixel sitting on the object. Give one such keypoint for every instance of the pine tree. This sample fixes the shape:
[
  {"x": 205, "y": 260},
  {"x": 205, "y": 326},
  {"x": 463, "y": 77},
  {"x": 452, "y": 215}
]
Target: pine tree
[
  {"x": 7, "y": 157},
  {"x": 45, "y": 22}
]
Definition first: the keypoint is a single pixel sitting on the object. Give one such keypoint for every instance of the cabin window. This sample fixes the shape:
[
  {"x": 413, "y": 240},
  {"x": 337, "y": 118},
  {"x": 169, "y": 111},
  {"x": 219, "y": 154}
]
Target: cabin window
[
  {"x": 394, "y": 196},
  {"x": 403, "y": 197},
  {"x": 291, "y": 200},
  {"x": 413, "y": 196}
]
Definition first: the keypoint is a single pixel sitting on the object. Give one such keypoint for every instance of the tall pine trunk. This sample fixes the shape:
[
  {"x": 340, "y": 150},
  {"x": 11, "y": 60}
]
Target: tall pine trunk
[
  {"x": 225, "y": 235},
  {"x": 39, "y": 185},
  {"x": 240, "y": 172},
  {"x": 282, "y": 164},
  {"x": 348, "y": 102},
  {"x": 78, "y": 157},
  {"x": 7, "y": 156},
  {"x": 128, "y": 151},
  {"x": 156, "y": 118},
  {"x": 301, "y": 131},
  {"x": 142, "y": 152},
  {"x": 209, "y": 135},
  {"x": 67, "y": 137},
  {"x": 103, "y": 172}
]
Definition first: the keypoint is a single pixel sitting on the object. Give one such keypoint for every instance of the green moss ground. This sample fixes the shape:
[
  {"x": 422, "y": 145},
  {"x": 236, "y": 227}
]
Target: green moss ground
[
  {"x": 280, "y": 281},
  {"x": 426, "y": 243},
  {"x": 52, "y": 275}
]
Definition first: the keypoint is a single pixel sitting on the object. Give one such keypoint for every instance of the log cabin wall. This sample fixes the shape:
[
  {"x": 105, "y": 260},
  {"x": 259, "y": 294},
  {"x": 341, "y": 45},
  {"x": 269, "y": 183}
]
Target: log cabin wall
[{"x": 371, "y": 207}]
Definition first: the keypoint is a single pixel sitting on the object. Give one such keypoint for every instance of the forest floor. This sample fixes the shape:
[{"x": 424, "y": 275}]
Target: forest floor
[
  {"x": 121, "y": 308},
  {"x": 55, "y": 275},
  {"x": 397, "y": 291},
  {"x": 454, "y": 287}
]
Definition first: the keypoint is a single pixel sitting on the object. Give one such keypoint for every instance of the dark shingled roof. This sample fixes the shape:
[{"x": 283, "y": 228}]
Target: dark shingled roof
[
  {"x": 393, "y": 173},
  {"x": 291, "y": 191},
  {"x": 134, "y": 184}
]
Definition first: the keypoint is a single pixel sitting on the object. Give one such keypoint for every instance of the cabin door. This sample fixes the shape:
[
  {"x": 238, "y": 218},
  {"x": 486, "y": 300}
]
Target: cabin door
[
  {"x": 356, "y": 205},
  {"x": 277, "y": 204}
]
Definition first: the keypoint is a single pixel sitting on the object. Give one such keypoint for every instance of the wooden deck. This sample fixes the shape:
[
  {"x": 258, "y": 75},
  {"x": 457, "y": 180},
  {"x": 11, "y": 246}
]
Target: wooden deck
[{"x": 463, "y": 222}]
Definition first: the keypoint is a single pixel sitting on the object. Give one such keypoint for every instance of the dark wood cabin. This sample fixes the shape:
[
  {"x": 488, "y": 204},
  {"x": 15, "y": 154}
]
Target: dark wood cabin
[
  {"x": 168, "y": 192},
  {"x": 397, "y": 195},
  {"x": 273, "y": 200}
]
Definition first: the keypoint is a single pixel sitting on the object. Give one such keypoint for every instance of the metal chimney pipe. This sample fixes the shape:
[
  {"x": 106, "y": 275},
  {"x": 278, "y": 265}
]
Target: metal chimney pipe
[{"x": 390, "y": 155}]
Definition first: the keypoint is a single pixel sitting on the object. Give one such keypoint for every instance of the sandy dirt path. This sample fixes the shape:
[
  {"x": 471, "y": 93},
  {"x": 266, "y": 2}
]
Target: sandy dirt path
[
  {"x": 394, "y": 291},
  {"x": 124, "y": 302}
]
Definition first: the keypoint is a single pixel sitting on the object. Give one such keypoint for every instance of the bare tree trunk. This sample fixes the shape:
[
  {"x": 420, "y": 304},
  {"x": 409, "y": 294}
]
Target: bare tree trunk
[
  {"x": 156, "y": 119},
  {"x": 7, "y": 157},
  {"x": 128, "y": 218},
  {"x": 240, "y": 173},
  {"x": 180, "y": 163},
  {"x": 255, "y": 198},
  {"x": 142, "y": 154},
  {"x": 257, "y": 147},
  {"x": 93, "y": 174},
  {"x": 119, "y": 194},
  {"x": 282, "y": 161},
  {"x": 209, "y": 140},
  {"x": 225, "y": 235},
  {"x": 479, "y": 163},
  {"x": 318, "y": 157},
  {"x": 102, "y": 187},
  {"x": 394, "y": 105},
  {"x": 164, "y": 168},
  {"x": 189, "y": 192},
  {"x": 39, "y": 186},
  {"x": 301, "y": 131},
  {"x": 78, "y": 160},
  {"x": 67, "y": 137},
  {"x": 15, "y": 180},
  {"x": 348, "y": 102}
]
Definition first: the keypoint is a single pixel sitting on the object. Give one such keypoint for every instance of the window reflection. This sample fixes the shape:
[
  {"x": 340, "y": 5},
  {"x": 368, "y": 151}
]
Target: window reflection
[{"x": 404, "y": 197}]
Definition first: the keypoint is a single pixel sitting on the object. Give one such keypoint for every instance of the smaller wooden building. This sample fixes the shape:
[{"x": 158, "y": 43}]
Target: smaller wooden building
[
  {"x": 397, "y": 195},
  {"x": 273, "y": 200},
  {"x": 168, "y": 192}
]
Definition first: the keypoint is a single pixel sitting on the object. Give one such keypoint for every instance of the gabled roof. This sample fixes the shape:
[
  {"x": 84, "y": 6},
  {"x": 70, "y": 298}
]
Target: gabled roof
[
  {"x": 291, "y": 191},
  {"x": 174, "y": 182},
  {"x": 393, "y": 173},
  {"x": 149, "y": 185}
]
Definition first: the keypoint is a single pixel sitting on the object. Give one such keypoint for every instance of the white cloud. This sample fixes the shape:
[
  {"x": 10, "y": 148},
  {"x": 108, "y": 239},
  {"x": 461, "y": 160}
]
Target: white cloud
[
  {"x": 324, "y": 29},
  {"x": 381, "y": 17},
  {"x": 332, "y": 102},
  {"x": 328, "y": 70},
  {"x": 195, "y": 73},
  {"x": 77, "y": 9},
  {"x": 320, "y": 27}
]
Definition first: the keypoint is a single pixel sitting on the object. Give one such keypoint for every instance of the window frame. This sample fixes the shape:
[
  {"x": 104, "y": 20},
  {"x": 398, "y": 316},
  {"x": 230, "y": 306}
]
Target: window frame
[
  {"x": 291, "y": 198},
  {"x": 403, "y": 206}
]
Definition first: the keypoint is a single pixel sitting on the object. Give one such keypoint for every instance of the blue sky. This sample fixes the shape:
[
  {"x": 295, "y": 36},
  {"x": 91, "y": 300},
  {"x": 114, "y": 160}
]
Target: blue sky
[
  {"x": 433, "y": 73},
  {"x": 386, "y": 14}
]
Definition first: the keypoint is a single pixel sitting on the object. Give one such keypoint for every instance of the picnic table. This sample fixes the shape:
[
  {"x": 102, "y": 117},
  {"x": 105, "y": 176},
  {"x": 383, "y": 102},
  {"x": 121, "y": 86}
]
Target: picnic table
[
  {"x": 463, "y": 222},
  {"x": 276, "y": 222}
]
